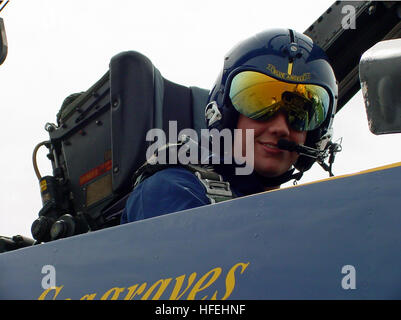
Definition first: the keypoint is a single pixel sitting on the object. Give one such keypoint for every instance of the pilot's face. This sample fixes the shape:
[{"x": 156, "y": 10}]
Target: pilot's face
[{"x": 270, "y": 161}]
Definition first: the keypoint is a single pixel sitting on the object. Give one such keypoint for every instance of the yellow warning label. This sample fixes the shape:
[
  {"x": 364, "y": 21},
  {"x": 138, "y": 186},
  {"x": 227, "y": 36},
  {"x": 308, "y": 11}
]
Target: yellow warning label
[{"x": 43, "y": 186}]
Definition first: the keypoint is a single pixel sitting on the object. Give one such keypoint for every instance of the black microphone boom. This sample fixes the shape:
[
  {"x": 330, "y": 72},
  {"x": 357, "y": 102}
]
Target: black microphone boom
[
  {"x": 320, "y": 155},
  {"x": 301, "y": 149}
]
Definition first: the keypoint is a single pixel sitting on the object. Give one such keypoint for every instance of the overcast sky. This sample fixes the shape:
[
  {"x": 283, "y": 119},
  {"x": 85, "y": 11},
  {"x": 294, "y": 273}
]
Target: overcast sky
[{"x": 60, "y": 47}]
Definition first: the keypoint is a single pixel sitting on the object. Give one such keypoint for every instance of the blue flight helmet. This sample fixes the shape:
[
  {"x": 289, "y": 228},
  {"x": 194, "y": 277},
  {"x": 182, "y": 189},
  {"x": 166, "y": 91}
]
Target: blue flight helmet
[{"x": 289, "y": 58}]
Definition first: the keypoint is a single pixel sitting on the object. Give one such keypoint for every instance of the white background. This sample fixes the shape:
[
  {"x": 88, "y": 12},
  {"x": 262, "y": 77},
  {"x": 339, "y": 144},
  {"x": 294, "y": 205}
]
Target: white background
[{"x": 60, "y": 47}]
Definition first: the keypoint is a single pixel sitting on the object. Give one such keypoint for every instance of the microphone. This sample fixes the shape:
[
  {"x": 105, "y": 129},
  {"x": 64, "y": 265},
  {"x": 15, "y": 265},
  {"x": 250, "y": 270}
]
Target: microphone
[
  {"x": 301, "y": 149},
  {"x": 320, "y": 155}
]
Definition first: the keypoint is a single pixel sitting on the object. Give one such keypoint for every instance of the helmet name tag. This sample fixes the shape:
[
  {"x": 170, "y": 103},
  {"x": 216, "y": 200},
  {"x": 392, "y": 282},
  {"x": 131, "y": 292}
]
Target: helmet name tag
[{"x": 286, "y": 76}]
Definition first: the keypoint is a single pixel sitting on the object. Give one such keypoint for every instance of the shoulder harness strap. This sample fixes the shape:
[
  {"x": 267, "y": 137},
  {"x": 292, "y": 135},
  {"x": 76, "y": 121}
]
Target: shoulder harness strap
[{"x": 217, "y": 190}]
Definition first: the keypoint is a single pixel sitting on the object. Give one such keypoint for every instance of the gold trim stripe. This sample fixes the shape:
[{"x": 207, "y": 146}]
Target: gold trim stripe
[
  {"x": 389, "y": 166},
  {"x": 289, "y": 68}
]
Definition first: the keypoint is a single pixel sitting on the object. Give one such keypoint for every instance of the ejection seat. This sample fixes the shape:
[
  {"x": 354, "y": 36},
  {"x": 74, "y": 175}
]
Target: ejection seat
[{"x": 100, "y": 139}]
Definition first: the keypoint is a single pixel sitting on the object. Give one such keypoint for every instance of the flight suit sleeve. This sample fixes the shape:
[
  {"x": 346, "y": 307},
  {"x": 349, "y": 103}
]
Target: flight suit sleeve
[{"x": 167, "y": 191}]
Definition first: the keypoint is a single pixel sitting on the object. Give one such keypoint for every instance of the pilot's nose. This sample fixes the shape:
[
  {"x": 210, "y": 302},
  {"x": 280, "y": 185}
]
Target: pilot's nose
[{"x": 278, "y": 125}]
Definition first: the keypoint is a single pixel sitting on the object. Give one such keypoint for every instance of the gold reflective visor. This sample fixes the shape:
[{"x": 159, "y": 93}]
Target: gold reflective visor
[{"x": 259, "y": 97}]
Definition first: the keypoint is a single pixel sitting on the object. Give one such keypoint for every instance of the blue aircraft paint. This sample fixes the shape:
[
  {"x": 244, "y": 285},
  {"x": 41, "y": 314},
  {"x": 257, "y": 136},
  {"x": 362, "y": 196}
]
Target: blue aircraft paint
[{"x": 289, "y": 244}]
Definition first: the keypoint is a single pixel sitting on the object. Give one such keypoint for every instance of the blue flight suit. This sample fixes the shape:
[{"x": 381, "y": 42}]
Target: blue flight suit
[{"x": 175, "y": 189}]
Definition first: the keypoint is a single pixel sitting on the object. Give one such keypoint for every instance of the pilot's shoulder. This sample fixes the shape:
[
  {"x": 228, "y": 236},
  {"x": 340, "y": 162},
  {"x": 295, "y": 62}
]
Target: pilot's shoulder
[{"x": 172, "y": 177}]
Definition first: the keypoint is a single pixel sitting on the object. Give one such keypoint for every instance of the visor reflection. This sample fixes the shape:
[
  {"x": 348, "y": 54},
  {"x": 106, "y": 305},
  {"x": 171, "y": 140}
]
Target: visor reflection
[{"x": 258, "y": 96}]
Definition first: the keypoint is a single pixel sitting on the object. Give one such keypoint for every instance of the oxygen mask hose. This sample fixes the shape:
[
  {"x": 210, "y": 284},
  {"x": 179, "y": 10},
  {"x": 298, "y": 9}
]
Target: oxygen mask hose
[{"x": 35, "y": 164}]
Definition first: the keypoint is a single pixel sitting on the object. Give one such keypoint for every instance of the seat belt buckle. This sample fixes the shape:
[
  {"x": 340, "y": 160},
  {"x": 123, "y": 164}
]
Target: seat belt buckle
[{"x": 216, "y": 191}]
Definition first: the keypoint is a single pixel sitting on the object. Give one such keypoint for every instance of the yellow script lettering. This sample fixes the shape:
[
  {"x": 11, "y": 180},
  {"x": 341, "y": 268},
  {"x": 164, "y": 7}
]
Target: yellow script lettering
[
  {"x": 230, "y": 279},
  {"x": 198, "y": 286},
  {"x": 115, "y": 291},
  {"x": 178, "y": 284},
  {"x": 44, "y": 293},
  {"x": 132, "y": 291},
  {"x": 163, "y": 285}
]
